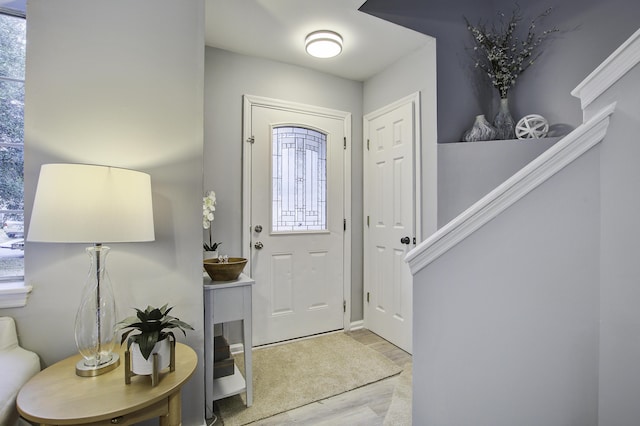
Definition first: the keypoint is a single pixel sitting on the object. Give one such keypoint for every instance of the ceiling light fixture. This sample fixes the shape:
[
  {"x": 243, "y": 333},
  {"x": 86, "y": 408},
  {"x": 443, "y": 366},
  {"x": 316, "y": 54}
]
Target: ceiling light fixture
[{"x": 323, "y": 44}]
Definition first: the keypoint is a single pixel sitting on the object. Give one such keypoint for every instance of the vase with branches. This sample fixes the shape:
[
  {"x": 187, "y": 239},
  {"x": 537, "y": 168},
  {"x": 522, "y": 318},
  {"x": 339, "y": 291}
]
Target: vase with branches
[{"x": 502, "y": 55}]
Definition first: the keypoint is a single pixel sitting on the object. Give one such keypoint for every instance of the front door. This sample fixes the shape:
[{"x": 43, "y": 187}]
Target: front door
[
  {"x": 296, "y": 219},
  {"x": 391, "y": 191}
]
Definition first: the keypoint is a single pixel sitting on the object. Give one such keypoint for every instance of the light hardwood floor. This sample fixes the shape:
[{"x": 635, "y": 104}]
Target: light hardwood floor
[{"x": 367, "y": 405}]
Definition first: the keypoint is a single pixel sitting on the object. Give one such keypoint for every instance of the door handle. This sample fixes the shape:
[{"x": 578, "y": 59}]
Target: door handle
[
  {"x": 405, "y": 240},
  {"x": 258, "y": 245},
  {"x": 258, "y": 228}
]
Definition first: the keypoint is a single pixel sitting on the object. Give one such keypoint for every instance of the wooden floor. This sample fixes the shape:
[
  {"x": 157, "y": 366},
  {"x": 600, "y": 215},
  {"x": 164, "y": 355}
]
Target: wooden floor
[{"x": 367, "y": 405}]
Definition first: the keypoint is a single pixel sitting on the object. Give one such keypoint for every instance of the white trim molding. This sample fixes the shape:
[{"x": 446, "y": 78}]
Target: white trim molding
[
  {"x": 14, "y": 294},
  {"x": 611, "y": 70},
  {"x": 520, "y": 184}
]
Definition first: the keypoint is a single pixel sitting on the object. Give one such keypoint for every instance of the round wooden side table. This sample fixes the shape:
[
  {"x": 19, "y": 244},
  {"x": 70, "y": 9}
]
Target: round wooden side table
[{"x": 57, "y": 396}]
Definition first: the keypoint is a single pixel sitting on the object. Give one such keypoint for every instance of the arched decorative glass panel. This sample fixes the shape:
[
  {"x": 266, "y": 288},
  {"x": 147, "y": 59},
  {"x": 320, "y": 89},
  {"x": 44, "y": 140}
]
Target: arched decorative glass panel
[{"x": 299, "y": 179}]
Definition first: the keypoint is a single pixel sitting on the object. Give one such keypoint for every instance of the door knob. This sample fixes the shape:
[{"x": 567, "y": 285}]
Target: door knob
[
  {"x": 258, "y": 228},
  {"x": 258, "y": 245},
  {"x": 405, "y": 240}
]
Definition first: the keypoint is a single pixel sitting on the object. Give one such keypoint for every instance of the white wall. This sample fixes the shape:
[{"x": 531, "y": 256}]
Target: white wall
[
  {"x": 229, "y": 76},
  {"x": 467, "y": 171},
  {"x": 118, "y": 83},
  {"x": 506, "y": 322},
  {"x": 619, "y": 267},
  {"x": 415, "y": 72}
]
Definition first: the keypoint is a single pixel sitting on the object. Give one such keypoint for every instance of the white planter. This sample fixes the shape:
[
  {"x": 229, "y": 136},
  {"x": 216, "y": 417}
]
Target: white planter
[
  {"x": 142, "y": 366},
  {"x": 210, "y": 255}
]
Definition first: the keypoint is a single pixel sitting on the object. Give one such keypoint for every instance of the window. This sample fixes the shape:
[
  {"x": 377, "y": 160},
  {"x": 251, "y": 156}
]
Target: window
[
  {"x": 12, "y": 64},
  {"x": 299, "y": 179}
]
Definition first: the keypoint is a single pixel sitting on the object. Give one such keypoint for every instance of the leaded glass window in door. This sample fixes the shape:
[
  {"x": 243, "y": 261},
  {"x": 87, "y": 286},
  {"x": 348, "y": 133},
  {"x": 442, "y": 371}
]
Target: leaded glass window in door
[{"x": 299, "y": 179}]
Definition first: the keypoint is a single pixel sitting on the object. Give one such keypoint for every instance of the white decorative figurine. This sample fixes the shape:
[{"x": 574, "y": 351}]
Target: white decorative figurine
[{"x": 532, "y": 126}]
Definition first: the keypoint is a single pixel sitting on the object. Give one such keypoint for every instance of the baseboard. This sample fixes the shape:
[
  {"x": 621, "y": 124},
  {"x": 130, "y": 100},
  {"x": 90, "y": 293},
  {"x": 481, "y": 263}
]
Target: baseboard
[
  {"x": 236, "y": 348},
  {"x": 356, "y": 325}
]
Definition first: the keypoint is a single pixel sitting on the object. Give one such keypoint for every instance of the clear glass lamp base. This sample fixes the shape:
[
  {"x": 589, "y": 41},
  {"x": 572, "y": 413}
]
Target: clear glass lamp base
[
  {"x": 88, "y": 370},
  {"x": 95, "y": 319}
]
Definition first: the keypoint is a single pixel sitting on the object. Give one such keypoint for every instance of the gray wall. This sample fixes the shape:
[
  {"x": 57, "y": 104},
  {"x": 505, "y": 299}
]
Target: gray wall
[
  {"x": 106, "y": 83},
  {"x": 619, "y": 266},
  {"x": 414, "y": 73},
  {"x": 228, "y": 76},
  {"x": 506, "y": 323},
  {"x": 592, "y": 30},
  {"x": 469, "y": 171}
]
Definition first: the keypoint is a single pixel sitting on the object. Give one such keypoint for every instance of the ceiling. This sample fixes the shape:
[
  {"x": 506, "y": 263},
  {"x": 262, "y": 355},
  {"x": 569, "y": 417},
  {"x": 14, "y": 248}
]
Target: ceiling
[{"x": 276, "y": 29}]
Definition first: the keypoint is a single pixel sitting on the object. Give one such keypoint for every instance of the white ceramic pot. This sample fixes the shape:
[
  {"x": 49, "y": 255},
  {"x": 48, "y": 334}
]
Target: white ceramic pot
[
  {"x": 142, "y": 366},
  {"x": 210, "y": 254}
]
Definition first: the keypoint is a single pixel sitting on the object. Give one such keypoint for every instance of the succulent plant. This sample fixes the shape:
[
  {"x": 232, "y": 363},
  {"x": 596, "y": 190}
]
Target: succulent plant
[{"x": 153, "y": 324}]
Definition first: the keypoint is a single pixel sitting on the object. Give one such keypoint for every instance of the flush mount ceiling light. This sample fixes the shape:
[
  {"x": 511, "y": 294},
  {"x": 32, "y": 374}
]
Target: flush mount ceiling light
[{"x": 323, "y": 44}]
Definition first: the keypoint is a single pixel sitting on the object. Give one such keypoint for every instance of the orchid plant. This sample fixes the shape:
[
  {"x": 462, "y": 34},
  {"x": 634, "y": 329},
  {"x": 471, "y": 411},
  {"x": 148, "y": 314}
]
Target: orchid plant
[
  {"x": 501, "y": 54},
  {"x": 208, "y": 207}
]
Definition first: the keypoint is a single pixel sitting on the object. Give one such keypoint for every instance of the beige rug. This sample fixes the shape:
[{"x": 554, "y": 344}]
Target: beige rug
[
  {"x": 295, "y": 374},
  {"x": 399, "y": 413}
]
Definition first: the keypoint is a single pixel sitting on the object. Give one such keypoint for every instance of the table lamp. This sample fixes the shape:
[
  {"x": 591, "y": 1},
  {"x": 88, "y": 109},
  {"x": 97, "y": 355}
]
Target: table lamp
[{"x": 79, "y": 203}]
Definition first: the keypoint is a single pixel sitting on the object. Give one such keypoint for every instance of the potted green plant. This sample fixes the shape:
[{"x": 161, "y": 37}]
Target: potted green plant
[{"x": 154, "y": 327}]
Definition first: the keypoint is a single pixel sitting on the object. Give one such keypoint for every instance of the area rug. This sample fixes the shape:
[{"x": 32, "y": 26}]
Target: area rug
[
  {"x": 399, "y": 413},
  {"x": 295, "y": 374}
]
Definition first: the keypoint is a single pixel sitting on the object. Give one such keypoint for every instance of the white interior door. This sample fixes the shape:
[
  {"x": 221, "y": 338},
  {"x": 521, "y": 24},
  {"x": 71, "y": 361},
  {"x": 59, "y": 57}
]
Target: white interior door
[
  {"x": 390, "y": 207},
  {"x": 297, "y": 212}
]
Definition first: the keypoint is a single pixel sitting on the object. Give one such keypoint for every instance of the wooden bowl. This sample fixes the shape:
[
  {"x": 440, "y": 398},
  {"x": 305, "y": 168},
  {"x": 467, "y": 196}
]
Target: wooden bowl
[{"x": 224, "y": 271}]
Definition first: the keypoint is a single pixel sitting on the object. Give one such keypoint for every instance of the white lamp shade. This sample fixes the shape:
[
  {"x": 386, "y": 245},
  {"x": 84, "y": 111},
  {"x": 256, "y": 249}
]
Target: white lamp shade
[{"x": 79, "y": 203}]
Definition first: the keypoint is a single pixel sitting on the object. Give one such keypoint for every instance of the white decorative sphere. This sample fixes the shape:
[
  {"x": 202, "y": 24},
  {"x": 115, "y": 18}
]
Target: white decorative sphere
[{"x": 532, "y": 126}]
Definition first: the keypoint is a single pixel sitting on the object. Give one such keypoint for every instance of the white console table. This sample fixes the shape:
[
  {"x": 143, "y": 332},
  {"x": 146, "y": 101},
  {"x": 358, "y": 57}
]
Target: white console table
[{"x": 226, "y": 301}]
